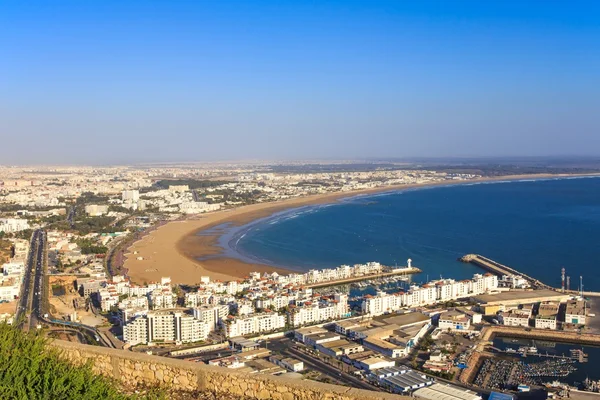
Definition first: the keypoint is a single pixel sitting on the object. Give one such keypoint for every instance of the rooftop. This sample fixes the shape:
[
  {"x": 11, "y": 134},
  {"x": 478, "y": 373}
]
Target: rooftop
[
  {"x": 438, "y": 391},
  {"x": 516, "y": 297}
]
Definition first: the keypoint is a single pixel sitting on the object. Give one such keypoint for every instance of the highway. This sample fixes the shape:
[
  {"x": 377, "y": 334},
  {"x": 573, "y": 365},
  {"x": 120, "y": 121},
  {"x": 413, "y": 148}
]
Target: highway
[
  {"x": 38, "y": 281},
  {"x": 71, "y": 215},
  {"x": 31, "y": 302},
  {"x": 23, "y": 307}
]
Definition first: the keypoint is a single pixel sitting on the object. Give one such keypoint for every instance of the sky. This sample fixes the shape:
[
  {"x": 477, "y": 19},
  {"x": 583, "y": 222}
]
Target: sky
[{"x": 124, "y": 82}]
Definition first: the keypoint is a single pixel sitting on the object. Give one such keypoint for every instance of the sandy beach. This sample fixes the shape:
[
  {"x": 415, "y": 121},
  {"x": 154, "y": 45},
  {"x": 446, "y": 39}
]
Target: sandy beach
[{"x": 174, "y": 248}]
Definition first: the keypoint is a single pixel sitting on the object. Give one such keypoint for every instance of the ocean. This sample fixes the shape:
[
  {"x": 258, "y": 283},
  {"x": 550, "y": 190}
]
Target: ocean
[{"x": 537, "y": 227}]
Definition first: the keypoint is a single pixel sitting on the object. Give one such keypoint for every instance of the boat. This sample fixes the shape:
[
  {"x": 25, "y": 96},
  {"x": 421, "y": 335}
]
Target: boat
[
  {"x": 523, "y": 388},
  {"x": 510, "y": 350}
]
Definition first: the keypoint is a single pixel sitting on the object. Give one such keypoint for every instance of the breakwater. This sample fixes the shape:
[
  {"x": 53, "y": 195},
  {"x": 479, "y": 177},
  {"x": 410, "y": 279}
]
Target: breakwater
[{"x": 501, "y": 269}]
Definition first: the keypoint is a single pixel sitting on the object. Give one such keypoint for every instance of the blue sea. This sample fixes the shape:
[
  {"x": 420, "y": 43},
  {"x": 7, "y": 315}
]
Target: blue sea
[{"x": 537, "y": 227}]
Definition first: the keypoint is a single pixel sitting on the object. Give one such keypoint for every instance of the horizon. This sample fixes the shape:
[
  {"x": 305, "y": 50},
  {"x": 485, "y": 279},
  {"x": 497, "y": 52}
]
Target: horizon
[
  {"x": 159, "y": 82},
  {"x": 472, "y": 161}
]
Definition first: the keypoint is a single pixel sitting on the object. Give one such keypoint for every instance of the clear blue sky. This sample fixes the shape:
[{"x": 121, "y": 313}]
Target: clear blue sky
[{"x": 136, "y": 81}]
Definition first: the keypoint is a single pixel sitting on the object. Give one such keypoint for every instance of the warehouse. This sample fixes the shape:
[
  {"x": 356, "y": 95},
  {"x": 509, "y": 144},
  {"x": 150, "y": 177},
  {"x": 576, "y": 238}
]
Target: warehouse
[{"x": 438, "y": 391}]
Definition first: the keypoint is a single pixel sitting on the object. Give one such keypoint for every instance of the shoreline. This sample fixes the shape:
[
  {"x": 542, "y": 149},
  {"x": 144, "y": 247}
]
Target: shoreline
[{"x": 174, "y": 249}]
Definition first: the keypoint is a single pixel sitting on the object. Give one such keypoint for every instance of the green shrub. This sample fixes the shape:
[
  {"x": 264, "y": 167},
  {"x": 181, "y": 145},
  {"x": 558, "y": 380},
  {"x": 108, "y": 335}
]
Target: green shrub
[{"x": 30, "y": 369}]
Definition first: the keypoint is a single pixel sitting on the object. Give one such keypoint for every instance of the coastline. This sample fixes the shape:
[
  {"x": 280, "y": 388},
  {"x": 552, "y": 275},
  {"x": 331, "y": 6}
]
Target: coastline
[{"x": 174, "y": 248}]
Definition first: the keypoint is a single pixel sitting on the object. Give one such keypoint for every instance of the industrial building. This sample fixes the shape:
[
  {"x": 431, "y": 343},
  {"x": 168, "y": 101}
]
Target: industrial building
[
  {"x": 400, "y": 379},
  {"x": 490, "y": 304},
  {"x": 437, "y": 391}
]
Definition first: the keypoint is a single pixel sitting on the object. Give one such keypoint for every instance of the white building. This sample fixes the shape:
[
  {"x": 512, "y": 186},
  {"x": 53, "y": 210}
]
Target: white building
[
  {"x": 10, "y": 225},
  {"x": 95, "y": 210},
  {"x": 576, "y": 312},
  {"x": 162, "y": 299},
  {"x": 212, "y": 315},
  {"x": 131, "y": 196},
  {"x": 13, "y": 267},
  {"x": 248, "y": 325},
  {"x": 196, "y": 299},
  {"x": 108, "y": 299},
  {"x": 165, "y": 326},
  {"x": 430, "y": 293},
  {"x": 10, "y": 286},
  {"x": 314, "y": 312},
  {"x": 545, "y": 322},
  {"x": 517, "y": 318},
  {"x": 454, "y": 321}
]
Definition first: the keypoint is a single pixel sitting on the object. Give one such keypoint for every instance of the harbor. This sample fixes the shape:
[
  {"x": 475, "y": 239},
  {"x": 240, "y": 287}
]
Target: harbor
[
  {"x": 513, "y": 361},
  {"x": 395, "y": 275}
]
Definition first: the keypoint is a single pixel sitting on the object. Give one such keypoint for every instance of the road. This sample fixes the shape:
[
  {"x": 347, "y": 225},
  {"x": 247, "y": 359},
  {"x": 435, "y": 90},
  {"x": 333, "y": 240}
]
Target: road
[
  {"x": 196, "y": 196},
  {"x": 23, "y": 307},
  {"x": 71, "y": 215},
  {"x": 324, "y": 368},
  {"x": 31, "y": 302},
  {"x": 38, "y": 281}
]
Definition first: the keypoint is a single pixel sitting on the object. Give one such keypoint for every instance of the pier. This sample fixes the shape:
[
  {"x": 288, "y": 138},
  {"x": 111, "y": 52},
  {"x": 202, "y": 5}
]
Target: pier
[
  {"x": 400, "y": 271},
  {"x": 576, "y": 355},
  {"x": 500, "y": 269}
]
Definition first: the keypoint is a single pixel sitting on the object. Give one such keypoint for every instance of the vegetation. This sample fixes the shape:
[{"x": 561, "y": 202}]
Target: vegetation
[
  {"x": 91, "y": 198},
  {"x": 5, "y": 249},
  {"x": 88, "y": 246},
  {"x": 29, "y": 369},
  {"x": 192, "y": 183}
]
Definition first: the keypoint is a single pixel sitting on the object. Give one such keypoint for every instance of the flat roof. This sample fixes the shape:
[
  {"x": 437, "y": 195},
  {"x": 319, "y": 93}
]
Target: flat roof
[
  {"x": 373, "y": 360},
  {"x": 335, "y": 343},
  {"x": 324, "y": 335},
  {"x": 310, "y": 330},
  {"x": 514, "y": 296},
  {"x": 381, "y": 343},
  {"x": 403, "y": 319},
  {"x": 408, "y": 379},
  {"x": 438, "y": 391}
]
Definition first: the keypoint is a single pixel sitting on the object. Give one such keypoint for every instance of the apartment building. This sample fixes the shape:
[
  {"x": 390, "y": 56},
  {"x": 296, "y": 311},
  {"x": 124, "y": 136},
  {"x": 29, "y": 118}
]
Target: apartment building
[
  {"x": 212, "y": 315},
  {"x": 433, "y": 292},
  {"x": 162, "y": 299},
  {"x": 319, "y": 311},
  {"x": 10, "y": 286},
  {"x": 95, "y": 210},
  {"x": 165, "y": 326},
  {"x": 11, "y": 225},
  {"x": 251, "y": 324}
]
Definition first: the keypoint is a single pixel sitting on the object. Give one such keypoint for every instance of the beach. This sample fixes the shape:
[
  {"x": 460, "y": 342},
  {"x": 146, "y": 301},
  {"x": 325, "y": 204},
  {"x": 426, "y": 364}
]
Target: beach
[{"x": 173, "y": 249}]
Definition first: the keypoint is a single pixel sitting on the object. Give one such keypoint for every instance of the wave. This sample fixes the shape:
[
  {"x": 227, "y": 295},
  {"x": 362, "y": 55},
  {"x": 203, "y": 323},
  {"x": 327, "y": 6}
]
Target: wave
[{"x": 234, "y": 237}]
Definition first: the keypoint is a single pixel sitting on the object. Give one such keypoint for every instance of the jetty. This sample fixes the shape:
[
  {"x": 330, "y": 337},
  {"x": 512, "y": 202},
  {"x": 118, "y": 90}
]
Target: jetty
[
  {"x": 501, "y": 269},
  {"x": 575, "y": 354},
  {"x": 399, "y": 271}
]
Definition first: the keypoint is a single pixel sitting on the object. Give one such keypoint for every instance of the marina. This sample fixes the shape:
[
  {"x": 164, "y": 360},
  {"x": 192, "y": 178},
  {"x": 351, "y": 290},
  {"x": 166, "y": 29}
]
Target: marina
[
  {"x": 508, "y": 374},
  {"x": 513, "y": 362}
]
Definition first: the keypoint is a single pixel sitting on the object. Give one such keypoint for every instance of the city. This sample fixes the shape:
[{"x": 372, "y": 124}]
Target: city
[{"x": 59, "y": 277}]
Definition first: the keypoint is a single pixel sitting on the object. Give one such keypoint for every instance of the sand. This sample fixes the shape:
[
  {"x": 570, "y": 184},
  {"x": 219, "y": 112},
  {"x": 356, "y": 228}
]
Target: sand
[{"x": 174, "y": 248}]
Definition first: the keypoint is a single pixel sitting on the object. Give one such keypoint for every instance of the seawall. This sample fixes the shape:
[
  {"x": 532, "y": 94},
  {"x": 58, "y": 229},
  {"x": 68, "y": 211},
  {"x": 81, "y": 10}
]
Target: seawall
[{"x": 137, "y": 368}]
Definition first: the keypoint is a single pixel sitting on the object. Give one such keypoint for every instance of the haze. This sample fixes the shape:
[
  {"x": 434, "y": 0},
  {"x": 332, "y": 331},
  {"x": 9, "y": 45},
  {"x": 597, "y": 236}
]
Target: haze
[{"x": 145, "y": 81}]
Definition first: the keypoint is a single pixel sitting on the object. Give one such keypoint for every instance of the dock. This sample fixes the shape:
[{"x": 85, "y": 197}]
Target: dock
[
  {"x": 576, "y": 354},
  {"x": 400, "y": 271}
]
